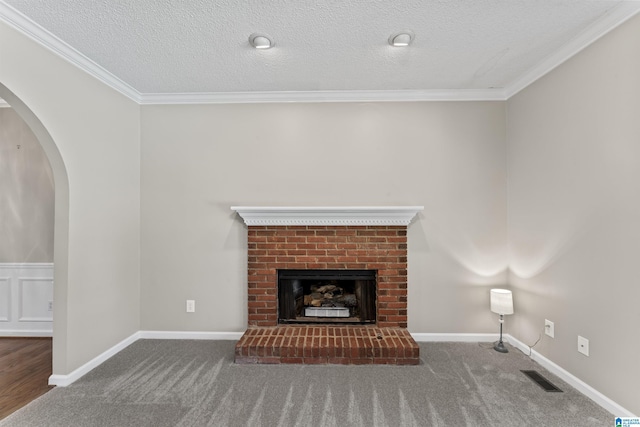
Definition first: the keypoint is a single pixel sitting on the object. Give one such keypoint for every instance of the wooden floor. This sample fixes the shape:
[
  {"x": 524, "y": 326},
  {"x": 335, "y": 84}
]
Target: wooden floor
[{"x": 25, "y": 367}]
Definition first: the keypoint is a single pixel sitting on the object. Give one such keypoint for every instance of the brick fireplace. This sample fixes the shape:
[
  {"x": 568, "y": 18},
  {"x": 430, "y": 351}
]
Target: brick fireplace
[{"x": 327, "y": 239}]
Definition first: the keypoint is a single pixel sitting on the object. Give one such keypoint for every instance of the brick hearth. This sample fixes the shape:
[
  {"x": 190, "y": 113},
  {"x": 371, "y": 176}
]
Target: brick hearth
[
  {"x": 377, "y": 244},
  {"x": 345, "y": 345}
]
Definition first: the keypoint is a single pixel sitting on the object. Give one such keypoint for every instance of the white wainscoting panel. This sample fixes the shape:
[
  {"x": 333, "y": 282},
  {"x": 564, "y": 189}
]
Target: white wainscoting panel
[
  {"x": 26, "y": 299},
  {"x": 5, "y": 299},
  {"x": 36, "y": 299}
]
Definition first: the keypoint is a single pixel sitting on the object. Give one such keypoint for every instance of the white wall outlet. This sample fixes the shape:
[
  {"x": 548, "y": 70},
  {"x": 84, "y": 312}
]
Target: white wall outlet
[
  {"x": 50, "y": 306},
  {"x": 191, "y": 306},
  {"x": 548, "y": 328},
  {"x": 583, "y": 345}
]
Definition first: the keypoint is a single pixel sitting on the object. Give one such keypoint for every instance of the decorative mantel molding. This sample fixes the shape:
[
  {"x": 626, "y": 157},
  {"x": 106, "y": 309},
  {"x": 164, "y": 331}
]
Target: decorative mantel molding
[{"x": 327, "y": 215}]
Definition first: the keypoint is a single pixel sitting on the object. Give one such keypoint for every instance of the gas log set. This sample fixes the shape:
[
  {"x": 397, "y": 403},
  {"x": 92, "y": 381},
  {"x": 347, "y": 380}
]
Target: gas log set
[{"x": 329, "y": 296}]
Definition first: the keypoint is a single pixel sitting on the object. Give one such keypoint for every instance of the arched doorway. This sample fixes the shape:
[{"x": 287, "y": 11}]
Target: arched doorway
[{"x": 61, "y": 224}]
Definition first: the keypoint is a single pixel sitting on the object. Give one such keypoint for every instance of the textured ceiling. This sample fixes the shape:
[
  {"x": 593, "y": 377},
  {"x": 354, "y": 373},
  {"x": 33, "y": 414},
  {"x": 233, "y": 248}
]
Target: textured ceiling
[{"x": 201, "y": 46}]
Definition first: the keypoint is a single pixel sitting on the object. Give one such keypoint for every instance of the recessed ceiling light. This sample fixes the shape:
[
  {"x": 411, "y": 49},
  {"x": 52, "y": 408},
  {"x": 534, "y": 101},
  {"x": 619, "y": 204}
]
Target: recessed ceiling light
[
  {"x": 401, "y": 39},
  {"x": 260, "y": 41}
]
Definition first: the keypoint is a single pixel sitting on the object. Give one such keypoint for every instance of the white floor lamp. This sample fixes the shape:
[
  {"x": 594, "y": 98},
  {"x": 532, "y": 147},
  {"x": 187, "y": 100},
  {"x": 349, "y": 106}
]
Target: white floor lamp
[{"x": 502, "y": 304}]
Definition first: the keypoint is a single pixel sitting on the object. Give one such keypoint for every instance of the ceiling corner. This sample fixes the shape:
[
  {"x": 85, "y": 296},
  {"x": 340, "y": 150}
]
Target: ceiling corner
[
  {"x": 40, "y": 35},
  {"x": 608, "y": 22}
]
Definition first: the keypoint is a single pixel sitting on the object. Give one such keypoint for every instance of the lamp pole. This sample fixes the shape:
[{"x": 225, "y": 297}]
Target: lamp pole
[{"x": 499, "y": 346}]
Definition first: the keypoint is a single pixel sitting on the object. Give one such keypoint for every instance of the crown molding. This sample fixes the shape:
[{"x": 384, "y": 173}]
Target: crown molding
[
  {"x": 327, "y": 215},
  {"x": 15, "y": 19},
  {"x": 324, "y": 96},
  {"x": 608, "y": 22},
  {"x": 34, "y": 31},
  {"x": 40, "y": 35}
]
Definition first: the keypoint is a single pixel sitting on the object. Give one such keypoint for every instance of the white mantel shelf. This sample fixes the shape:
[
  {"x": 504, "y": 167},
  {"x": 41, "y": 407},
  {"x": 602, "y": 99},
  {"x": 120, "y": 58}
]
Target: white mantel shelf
[{"x": 327, "y": 215}]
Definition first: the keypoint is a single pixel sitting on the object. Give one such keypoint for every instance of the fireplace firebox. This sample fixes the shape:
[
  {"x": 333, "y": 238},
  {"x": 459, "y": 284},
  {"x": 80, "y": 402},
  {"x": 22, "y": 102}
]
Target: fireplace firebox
[{"x": 327, "y": 296}]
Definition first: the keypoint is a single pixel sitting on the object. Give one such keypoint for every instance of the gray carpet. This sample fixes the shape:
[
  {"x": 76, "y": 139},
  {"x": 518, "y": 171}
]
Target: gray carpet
[{"x": 196, "y": 383}]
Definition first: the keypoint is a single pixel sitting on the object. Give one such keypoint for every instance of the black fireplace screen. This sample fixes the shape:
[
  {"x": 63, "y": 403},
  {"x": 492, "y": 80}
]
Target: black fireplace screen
[{"x": 326, "y": 296}]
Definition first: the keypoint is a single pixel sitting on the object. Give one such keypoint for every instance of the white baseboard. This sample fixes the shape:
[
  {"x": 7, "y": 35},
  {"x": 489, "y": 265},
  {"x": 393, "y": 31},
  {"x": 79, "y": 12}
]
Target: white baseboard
[
  {"x": 26, "y": 333},
  {"x": 65, "y": 380},
  {"x": 560, "y": 372},
  {"x": 581, "y": 386},
  {"x": 420, "y": 337},
  {"x": 186, "y": 335},
  {"x": 572, "y": 380}
]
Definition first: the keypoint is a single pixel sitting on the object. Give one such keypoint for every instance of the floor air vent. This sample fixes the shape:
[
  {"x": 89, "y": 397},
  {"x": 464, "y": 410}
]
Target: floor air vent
[{"x": 541, "y": 381}]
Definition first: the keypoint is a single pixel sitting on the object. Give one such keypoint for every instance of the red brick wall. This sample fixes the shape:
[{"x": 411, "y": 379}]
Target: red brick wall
[{"x": 382, "y": 248}]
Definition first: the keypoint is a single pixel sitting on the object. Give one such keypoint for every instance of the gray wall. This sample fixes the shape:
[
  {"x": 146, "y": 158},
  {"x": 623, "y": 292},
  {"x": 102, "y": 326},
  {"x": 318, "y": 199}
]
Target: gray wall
[
  {"x": 197, "y": 161},
  {"x": 91, "y": 135},
  {"x": 26, "y": 194},
  {"x": 574, "y": 213}
]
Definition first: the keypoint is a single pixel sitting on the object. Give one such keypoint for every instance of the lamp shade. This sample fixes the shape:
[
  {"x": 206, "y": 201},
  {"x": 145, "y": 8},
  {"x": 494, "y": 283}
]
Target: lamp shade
[{"x": 501, "y": 301}]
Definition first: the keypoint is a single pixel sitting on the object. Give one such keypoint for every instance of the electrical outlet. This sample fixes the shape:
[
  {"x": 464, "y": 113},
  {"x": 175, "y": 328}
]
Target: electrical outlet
[
  {"x": 50, "y": 306},
  {"x": 191, "y": 306},
  {"x": 548, "y": 328},
  {"x": 583, "y": 345}
]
